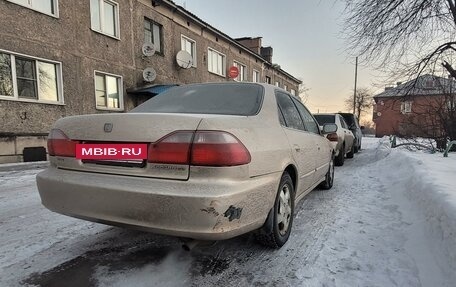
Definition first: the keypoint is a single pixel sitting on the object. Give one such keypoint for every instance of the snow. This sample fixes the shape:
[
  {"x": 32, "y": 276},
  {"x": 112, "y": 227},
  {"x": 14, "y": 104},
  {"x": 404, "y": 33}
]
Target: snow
[{"x": 390, "y": 220}]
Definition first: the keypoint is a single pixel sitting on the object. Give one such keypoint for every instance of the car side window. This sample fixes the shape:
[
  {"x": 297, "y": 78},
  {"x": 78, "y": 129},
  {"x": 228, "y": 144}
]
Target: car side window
[
  {"x": 309, "y": 121},
  {"x": 343, "y": 123},
  {"x": 356, "y": 122},
  {"x": 281, "y": 119},
  {"x": 289, "y": 112}
]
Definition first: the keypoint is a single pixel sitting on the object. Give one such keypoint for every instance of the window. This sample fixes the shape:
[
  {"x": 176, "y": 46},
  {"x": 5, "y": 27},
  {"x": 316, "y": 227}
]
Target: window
[
  {"x": 242, "y": 72},
  {"x": 343, "y": 123},
  {"x": 256, "y": 76},
  {"x": 406, "y": 107},
  {"x": 277, "y": 84},
  {"x": 325, "y": 119},
  {"x": 216, "y": 98},
  {"x": 153, "y": 34},
  {"x": 28, "y": 79},
  {"x": 285, "y": 87},
  {"x": 44, "y": 6},
  {"x": 293, "y": 92},
  {"x": 451, "y": 102},
  {"x": 105, "y": 17},
  {"x": 307, "y": 118},
  {"x": 289, "y": 112},
  {"x": 108, "y": 91},
  {"x": 189, "y": 45},
  {"x": 216, "y": 62},
  {"x": 268, "y": 80},
  {"x": 6, "y": 77}
]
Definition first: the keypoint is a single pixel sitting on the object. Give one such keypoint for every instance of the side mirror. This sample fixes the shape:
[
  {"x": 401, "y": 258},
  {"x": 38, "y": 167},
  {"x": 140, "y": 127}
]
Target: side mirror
[{"x": 329, "y": 128}]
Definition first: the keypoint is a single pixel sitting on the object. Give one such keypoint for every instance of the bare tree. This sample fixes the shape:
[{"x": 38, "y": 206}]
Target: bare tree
[
  {"x": 363, "y": 102},
  {"x": 303, "y": 93},
  {"x": 433, "y": 117},
  {"x": 406, "y": 37}
]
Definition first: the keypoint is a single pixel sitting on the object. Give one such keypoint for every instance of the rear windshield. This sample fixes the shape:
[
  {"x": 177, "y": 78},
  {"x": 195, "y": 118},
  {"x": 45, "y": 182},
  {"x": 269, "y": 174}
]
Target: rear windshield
[
  {"x": 348, "y": 119},
  {"x": 325, "y": 119},
  {"x": 223, "y": 99}
]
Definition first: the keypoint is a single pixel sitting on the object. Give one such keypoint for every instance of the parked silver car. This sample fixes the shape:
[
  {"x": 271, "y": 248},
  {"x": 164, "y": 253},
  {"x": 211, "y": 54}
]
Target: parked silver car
[
  {"x": 353, "y": 124},
  {"x": 222, "y": 159},
  {"x": 343, "y": 141}
]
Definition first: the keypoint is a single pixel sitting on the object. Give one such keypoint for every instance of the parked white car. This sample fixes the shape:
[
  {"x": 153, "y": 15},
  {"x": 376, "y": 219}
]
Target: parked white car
[
  {"x": 222, "y": 159},
  {"x": 342, "y": 140}
]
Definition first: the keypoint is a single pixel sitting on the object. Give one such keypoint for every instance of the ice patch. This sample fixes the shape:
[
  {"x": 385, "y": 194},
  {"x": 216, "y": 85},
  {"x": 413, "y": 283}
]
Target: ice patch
[{"x": 172, "y": 271}]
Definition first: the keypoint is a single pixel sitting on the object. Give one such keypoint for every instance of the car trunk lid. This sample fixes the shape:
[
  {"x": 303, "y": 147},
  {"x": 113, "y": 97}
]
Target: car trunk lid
[{"x": 125, "y": 128}]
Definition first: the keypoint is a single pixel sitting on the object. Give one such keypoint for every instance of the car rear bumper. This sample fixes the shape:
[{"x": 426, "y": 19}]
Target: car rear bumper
[{"x": 200, "y": 208}]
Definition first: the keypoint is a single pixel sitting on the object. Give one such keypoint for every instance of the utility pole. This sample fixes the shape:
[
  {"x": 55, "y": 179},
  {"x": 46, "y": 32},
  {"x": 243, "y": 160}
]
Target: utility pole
[{"x": 354, "y": 93}]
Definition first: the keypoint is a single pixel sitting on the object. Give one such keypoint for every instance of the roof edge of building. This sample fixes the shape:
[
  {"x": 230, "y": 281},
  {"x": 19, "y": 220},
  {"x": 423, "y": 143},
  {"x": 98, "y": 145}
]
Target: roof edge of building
[{"x": 233, "y": 41}]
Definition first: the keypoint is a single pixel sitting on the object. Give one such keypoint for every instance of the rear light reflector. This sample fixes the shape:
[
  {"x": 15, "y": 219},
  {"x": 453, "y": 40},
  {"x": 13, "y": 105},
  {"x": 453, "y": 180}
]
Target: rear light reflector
[
  {"x": 332, "y": 137},
  {"x": 215, "y": 148},
  {"x": 200, "y": 148},
  {"x": 59, "y": 144},
  {"x": 172, "y": 149}
]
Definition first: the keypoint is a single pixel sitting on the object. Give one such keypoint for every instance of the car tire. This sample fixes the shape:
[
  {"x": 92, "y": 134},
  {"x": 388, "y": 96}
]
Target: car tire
[
  {"x": 351, "y": 153},
  {"x": 277, "y": 228},
  {"x": 329, "y": 178},
  {"x": 340, "y": 157},
  {"x": 356, "y": 149}
]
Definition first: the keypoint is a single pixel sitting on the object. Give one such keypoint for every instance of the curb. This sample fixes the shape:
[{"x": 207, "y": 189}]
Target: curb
[{"x": 23, "y": 166}]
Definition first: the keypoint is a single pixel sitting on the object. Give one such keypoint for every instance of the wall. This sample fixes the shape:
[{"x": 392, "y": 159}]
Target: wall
[
  {"x": 423, "y": 120},
  {"x": 70, "y": 40}
]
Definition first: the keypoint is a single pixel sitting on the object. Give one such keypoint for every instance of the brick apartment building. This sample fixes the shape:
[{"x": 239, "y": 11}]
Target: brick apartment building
[
  {"x": 415, "y": 108},
  {"x": 60, "y": 58}
]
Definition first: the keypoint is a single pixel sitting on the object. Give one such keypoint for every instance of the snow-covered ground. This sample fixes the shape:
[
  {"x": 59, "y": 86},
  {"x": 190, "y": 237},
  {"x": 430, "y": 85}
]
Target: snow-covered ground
[{"x": 390, "y": 220}]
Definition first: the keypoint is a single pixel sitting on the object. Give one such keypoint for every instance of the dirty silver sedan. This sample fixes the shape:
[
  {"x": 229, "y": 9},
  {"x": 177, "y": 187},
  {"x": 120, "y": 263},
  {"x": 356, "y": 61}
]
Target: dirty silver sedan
[{"x": 221, "y": 159}]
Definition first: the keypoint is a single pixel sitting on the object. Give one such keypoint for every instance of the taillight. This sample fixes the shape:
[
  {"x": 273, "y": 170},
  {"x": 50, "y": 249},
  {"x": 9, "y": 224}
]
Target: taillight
[
  {"x": 332, "y": 137},
  {"x": 216, "y": 148},
  {"x": 172, "y": 149},
  {"x": 60, "y": 145},
  {"x": 201, "y": 148}
]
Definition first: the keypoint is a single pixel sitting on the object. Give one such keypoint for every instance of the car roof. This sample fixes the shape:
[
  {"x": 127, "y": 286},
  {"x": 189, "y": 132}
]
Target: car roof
[
  {"x": 325, "y": 114},
  {"x": 348, "y": 114}
]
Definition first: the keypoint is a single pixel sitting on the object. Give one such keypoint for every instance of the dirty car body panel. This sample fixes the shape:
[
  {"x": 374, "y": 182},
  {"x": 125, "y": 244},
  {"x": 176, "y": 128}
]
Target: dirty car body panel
[{"x": 201, "y": 198}]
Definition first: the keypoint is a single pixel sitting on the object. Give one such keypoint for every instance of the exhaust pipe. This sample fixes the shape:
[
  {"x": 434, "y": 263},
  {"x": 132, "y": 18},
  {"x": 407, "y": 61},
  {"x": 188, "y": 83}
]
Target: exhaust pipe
[{"x": 189, "y": 245}]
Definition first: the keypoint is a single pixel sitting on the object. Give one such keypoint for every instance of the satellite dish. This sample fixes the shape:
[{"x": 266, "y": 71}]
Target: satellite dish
[
  {"x": 149, "y": 74},
  {"x": 184, "y": 59},
  {"x": 148, "y": 49}
]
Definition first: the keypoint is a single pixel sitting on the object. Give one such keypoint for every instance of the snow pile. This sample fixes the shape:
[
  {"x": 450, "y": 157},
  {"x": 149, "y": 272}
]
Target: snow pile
[
  {"x": 429, "y": 181},
  {"x": 383, "y": 149}
]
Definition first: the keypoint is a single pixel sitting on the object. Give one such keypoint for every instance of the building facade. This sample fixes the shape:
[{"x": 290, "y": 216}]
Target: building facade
[
  {"x": 419, "y": 108},
  {"x": 61, "y": 58}
]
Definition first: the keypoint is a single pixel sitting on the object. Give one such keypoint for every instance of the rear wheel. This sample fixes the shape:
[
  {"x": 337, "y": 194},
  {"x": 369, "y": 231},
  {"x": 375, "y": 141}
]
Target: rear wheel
[
  {"x": 356, "y": 149},
  {"x": 341, "y": 156},
  {"x": 329, "y": 179},
  {"x": 277, "y": 228}
]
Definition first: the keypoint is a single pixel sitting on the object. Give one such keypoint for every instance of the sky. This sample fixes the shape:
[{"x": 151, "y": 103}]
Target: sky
[{"x": 306, "y": 38}]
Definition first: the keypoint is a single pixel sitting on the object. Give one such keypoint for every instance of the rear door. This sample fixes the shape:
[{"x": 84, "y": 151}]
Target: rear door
[
  {"x": 323, "y": 152},
  {"x": 302, "y": 145},
  {"x": 348, "y": 135}
]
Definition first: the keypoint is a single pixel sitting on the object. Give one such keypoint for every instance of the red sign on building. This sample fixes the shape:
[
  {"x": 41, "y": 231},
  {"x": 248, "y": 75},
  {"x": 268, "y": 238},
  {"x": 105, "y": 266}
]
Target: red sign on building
[{"x": 233, "y": 72}]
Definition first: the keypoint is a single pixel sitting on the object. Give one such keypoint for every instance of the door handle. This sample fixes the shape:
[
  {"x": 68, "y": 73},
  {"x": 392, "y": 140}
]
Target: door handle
[{"x": 297, "y": 148}]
